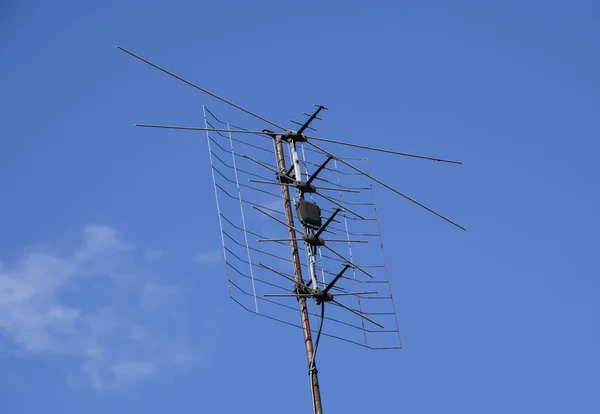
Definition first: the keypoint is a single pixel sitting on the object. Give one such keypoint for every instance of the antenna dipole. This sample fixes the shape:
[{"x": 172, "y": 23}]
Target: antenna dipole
[{"x": 305, "y": 321}]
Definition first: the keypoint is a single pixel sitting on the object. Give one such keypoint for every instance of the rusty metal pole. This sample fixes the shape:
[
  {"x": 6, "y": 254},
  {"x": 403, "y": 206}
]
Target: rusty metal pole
[{"x": 308, "y": 343}]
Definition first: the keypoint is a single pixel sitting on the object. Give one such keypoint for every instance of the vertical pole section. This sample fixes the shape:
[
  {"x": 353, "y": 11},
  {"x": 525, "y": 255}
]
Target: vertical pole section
[{"x": 308, "y": 343}]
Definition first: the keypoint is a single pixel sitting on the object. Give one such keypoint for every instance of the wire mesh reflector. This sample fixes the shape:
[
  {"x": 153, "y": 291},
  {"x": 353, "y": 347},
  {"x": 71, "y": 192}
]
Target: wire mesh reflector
[{"x": 256, "y": 245}]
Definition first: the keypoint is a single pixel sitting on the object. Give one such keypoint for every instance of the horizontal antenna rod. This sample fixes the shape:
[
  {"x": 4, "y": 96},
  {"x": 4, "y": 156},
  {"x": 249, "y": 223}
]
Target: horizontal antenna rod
[
  {"x": 390, "y": 188},
  {"x": 325, "y": 240},
  {"x": 357, "y": 313},
  {"x": 286, "y": 295},
  {"x": 277, "y": 272},
  {"x": 343, "y": 190},
  {"x": 309, "y": 115},
  {"x": 356, "y": 293},
  {"x": 301, "y": 124},
  {"x": 268, "y": 167},
  {"x": 406, "y": 154},
  {"x": 243, "y": 131},
  {"x": 277, "y": 220},
  {"x": 344, "y": 208},
  {"x": 200, "y": 88},
  {"x": 310, "y": 295},
  {"x": 184, "y": 128},
  {"x": 348, "y": 261}
]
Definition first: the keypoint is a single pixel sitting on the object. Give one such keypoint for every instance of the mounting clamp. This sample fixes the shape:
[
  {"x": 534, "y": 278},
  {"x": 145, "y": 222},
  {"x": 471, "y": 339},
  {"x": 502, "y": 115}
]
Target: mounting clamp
[
  {"x": 305, "y": 187},
  {"x": 284, "y": 177},
  {"x": 321, "y": 296},
  {"x": 312, "y": 240},
  {"x": 294, "y": 136}
]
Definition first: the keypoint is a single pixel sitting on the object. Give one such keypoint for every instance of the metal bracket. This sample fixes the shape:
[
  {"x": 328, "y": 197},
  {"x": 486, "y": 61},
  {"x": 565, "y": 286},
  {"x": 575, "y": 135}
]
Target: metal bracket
[
  {"x": 305, "y": 187},
  {"x": 294, "y": 136},
  {"x": 318, "y": 295},
  {"x": 286, "y": 177},
  {"x": 313, "y": 241}
]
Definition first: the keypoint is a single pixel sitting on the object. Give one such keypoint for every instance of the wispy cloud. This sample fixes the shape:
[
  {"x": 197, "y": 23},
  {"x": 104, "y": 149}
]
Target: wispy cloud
[
  {"x": 94, "y": 305},
  {"x": 208, "y": 258},
  {"x": 154, "y": 295},
  {"x": 152, "y": 254}
]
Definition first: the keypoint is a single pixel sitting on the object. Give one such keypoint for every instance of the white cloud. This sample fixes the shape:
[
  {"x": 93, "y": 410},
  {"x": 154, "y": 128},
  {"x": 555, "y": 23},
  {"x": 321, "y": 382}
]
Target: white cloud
[
  {"x": 133, "y": 371},
  {"x": 152, "y": 254},
  {"x": 154, "y": 295},
  {"x": 208, "y": 258},
  {"x": 91, "y": 305}
]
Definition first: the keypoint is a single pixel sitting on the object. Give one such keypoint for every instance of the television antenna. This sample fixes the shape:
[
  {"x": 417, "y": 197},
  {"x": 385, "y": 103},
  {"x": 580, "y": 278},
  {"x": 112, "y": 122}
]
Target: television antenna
[{"x": 327, "y": 198}]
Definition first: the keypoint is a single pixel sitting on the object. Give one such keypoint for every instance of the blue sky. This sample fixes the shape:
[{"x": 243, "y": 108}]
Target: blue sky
[{"x": 112, "y": 296}]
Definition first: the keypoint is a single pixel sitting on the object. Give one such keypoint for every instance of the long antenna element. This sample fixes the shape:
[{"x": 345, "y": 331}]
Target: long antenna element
[
  {"x": 358, "y": 170},
  {"x": 262, "y": 133},
  {"x": 406, "y": 154},
  {"x": 214, "y": 95}
]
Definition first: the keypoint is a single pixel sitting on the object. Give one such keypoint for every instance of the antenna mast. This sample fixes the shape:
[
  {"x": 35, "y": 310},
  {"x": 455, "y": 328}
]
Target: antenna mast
[
  {"x": 305, "y": 321},
  {"x": 249, "y": 279}
]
